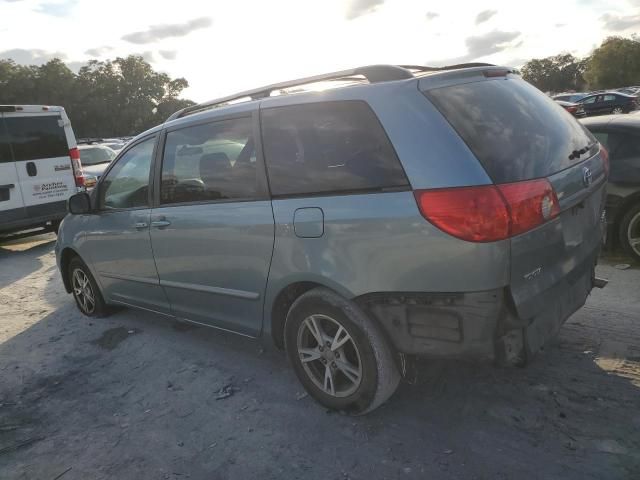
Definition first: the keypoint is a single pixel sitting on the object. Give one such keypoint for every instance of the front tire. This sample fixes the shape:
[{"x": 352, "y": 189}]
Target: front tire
[
  {"x": 629, "y": 233},
  {"x": 339, "y": 355},
  {"x": 85, "y": 290},
  {"x": 617, "y": 111}
]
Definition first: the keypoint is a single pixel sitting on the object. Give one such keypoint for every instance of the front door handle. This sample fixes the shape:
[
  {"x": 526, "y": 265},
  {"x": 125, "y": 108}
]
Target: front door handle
[
  {"x": 141, "y": 225},
  {"x": 160, "y": 223}
]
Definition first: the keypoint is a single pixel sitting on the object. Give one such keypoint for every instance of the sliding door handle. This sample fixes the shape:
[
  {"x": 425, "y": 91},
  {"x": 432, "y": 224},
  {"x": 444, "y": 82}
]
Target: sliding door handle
[{"x": 141, "y": 225}]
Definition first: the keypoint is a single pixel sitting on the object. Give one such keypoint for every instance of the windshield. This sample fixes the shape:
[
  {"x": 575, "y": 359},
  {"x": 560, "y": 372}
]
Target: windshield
[{"x": 96, "y": 155}]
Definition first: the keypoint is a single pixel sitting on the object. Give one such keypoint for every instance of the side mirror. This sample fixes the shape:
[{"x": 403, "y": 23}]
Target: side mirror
[{"x": 79, "y": 203}]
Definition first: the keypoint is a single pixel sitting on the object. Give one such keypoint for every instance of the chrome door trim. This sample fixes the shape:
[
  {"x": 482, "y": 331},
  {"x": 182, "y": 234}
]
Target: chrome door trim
[
  {"x": 131, "y": 278},
  {"x": 216, "y": 290}
]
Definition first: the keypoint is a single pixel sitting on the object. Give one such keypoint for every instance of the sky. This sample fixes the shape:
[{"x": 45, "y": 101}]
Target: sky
[{"x": 223, "y": 47}]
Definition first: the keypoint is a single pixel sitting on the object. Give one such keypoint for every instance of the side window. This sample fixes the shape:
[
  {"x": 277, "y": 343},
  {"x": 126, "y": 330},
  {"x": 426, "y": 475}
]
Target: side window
[
  {"x": 624, "y": 152},
  {"x": 37, "y": 137},
  {"x": 609, "y": 98},
  {"x": 328, "y": 147},
  {"x": 590, "y": 100},
  {"x": 214, "y": 161},
  {"x": 5, "y": 149},
  {"x": 127, "y": 183}
]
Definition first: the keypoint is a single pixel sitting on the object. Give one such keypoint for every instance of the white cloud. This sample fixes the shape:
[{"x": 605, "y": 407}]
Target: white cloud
[
  {"x": 619, "y": 23},
  {"x": 485, "y": 16},
  {"x": 357, "y": 8},
  {"x": 160, "y": 32},
  {"x": 34, "y": 56}
]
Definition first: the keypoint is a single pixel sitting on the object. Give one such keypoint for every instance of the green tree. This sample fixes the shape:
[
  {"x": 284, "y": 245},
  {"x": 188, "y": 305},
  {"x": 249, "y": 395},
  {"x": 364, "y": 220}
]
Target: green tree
[
  {"x": 616, "y": 63},
  {"x": 112, "y": 98},
  {"x": 555, "y": 74}
]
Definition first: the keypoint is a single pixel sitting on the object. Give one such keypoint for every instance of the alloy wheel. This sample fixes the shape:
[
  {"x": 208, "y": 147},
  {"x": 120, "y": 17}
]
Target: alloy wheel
[
  {"x": 329, "y": 355},
  {"x": 83, "y": 292},
  {"x": 617, "y": 110},
  {"x": 633, "y": 233}
]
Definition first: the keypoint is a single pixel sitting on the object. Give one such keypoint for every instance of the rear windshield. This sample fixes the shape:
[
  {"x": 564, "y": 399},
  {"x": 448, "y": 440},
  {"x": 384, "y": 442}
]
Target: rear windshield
[
  {"x": 94, "y": 156},
  {"x": 515, "y": 130},
  {"x": 32, "y": 138}
]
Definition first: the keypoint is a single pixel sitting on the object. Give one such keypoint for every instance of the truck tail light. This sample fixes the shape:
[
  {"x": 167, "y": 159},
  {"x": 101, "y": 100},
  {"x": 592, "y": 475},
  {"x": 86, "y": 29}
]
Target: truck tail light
[{"x": 74, "y": 153}]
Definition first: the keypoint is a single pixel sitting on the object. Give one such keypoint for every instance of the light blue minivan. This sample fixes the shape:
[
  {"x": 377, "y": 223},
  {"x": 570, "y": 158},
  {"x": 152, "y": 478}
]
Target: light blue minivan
[{"x": 387, "y": 212}]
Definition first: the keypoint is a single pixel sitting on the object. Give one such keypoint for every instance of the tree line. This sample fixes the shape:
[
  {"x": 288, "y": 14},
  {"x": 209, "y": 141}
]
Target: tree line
[
  {"x": 615, "y": 63},
  {"x": 113, "y": 98}
]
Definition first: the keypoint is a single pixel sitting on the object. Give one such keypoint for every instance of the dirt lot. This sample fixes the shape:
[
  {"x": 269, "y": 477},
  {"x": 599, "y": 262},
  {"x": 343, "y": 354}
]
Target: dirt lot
[{"x": 135, "y": 396}]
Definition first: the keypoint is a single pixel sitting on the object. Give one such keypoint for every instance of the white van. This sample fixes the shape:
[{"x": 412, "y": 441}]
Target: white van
[{"x": 39, "y": 167}]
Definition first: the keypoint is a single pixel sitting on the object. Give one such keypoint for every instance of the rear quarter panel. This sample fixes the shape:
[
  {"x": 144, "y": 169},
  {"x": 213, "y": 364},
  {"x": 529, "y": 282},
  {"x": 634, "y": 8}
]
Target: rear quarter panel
[{"x": 378, "y": 243}]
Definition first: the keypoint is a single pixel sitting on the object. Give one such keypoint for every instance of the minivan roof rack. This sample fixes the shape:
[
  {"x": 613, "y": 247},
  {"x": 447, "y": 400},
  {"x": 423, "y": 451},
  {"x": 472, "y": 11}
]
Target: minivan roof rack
[
  {"x": 421, "y": 68},
  {"x": 371, "y": 73}
]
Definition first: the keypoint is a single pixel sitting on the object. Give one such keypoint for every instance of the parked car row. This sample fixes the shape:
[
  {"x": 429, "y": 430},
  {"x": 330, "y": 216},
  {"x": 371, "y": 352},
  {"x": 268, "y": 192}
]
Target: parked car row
[
  {"x": 599, "y": 103},
  {"x": 96, "y": 154}
]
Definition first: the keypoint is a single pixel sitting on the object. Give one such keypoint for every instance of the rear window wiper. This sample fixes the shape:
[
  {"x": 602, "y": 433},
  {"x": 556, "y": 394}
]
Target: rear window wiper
[{"x": 577, "y": 153}]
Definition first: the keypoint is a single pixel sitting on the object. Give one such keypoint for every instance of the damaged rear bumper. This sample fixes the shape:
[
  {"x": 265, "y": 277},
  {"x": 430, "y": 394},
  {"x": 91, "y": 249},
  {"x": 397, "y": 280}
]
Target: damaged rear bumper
[{"x": 477, "y": 325}]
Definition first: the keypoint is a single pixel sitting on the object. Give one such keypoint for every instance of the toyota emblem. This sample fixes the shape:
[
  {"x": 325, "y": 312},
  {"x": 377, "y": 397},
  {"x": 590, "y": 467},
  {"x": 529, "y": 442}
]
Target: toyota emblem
[{"x": 587, "y": 177}]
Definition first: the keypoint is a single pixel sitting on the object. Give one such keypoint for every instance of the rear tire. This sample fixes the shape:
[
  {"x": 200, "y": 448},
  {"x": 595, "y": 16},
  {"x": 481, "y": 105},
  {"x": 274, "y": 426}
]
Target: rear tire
[
  {"x": 629, "y": 233},
  {"x": 85, "y": 290},
  {"x": 339, "y": 355}
]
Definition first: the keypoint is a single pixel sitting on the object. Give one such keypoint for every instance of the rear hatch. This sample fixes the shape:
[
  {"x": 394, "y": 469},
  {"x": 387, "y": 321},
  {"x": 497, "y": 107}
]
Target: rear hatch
[
  {"x": 520, "y": 135},
  {"x": 41, "y": 151}
]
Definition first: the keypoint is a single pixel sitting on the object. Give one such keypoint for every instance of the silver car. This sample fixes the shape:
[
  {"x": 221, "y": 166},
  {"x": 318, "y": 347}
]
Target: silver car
[{"x": 407, "y": 211}]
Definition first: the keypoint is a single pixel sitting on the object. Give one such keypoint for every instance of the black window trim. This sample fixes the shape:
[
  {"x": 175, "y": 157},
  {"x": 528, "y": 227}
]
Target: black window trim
[
  {"x": 263, "y": 192},
  {"x": 100, "y": 208},
  {"x": 340, "y": 192}
]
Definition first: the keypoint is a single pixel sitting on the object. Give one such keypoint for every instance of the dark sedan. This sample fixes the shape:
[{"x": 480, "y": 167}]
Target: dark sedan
[
  {"x": 608, "y": 103},
  {"x": 621, "y": 137}
]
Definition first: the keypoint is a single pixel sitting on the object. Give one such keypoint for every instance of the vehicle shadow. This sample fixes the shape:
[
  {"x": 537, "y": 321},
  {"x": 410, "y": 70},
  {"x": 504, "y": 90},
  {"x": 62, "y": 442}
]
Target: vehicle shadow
[
  {"x": 135, "y": 393},
  {"x": 21, "y": 257}
]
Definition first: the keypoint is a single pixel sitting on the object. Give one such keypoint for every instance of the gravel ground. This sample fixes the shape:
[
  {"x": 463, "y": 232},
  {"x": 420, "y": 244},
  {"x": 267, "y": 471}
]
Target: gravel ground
[{"x": 136, "y": 396}]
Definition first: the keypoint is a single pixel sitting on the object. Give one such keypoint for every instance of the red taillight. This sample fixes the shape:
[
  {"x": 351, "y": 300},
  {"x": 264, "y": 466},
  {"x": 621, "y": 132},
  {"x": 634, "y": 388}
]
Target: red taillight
[
  {"x": 476, "y": 214},
  {"x": 74, "y": 153},
  {"x": 530, "y": 204},
  {"x": 572, "y": 109},
  {"x": 604, "y": 155},
  {"x": 491, "y": 212}
]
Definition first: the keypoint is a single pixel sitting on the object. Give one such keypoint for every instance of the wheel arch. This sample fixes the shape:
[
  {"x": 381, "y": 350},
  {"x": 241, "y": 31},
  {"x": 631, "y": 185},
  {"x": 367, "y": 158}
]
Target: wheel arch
[
  {"x": 66, "y": 256},
  {"x": 284, "y": 295}
]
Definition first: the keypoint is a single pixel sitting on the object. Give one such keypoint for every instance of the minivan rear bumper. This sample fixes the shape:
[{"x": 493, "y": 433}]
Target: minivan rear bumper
[{"x": 477, "y": 325}]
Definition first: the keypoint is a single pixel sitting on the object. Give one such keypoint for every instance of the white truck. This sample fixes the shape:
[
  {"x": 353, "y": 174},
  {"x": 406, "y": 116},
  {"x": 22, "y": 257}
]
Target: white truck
[{"x": 39, "y": 167}]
